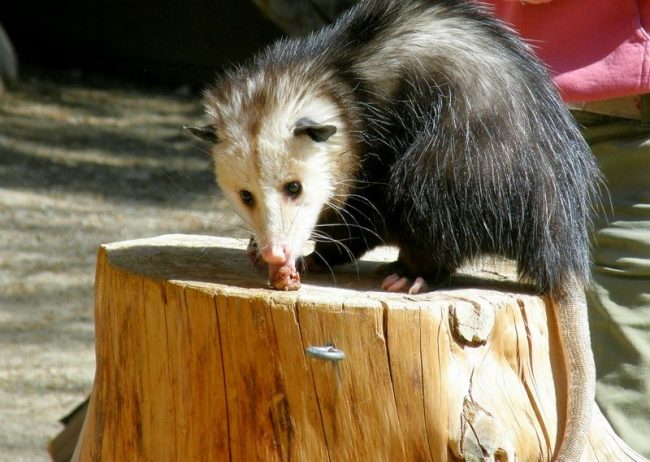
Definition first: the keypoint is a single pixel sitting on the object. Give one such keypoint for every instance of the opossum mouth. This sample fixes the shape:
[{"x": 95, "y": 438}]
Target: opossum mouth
[{"x": 284, "y": 276}]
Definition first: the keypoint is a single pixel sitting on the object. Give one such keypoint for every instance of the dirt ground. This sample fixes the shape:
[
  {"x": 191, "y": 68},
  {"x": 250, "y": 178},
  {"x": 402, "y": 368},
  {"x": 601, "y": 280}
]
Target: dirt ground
[{"x": 81, "y": 165}]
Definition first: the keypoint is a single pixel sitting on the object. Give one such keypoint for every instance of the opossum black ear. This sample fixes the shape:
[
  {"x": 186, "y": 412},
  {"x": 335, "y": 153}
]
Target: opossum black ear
[
  {"x": 316, "y": 131},
  {"x": 206, "y": 133}
]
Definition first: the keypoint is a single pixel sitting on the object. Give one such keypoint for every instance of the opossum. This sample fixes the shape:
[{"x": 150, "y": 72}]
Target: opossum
[{"x": 423, "y": 124}]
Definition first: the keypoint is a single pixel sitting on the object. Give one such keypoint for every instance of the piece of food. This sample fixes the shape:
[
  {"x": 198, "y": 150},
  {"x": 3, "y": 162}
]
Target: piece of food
[{"x": 286, "y": 278}]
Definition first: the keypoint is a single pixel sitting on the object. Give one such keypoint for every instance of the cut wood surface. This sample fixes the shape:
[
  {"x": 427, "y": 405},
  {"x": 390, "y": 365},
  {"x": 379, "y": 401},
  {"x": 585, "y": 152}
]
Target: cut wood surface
[{"x": 198, "y": 360}]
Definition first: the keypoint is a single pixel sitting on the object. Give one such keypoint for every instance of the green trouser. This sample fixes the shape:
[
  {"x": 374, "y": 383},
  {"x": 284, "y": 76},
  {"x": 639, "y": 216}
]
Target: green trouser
[{"x": 619, "y": 302}]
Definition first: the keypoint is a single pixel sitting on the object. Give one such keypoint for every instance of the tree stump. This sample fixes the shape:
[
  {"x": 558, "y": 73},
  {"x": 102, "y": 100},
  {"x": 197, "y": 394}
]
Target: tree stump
[{"x": 198, "y": 360}]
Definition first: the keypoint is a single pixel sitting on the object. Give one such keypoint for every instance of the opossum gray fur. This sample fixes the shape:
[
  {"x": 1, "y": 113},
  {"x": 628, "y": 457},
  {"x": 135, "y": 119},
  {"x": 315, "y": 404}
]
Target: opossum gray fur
[{"x": 423, "y": 124}]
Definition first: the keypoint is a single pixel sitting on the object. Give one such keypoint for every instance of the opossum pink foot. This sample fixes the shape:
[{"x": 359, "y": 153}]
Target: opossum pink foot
[{"x": 397, "y": 283}]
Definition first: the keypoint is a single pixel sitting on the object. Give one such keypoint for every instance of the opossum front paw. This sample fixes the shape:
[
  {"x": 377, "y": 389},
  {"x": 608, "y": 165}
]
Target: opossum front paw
[{"x": 397, "y": 283}]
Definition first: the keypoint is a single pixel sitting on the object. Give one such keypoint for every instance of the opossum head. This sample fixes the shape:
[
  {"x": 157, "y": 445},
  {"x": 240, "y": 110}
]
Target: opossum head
[{"x": 281, "y": 156}]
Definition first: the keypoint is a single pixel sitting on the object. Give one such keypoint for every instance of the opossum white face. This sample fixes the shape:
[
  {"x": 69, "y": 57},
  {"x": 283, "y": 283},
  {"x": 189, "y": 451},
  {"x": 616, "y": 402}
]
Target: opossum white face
[{"x": 278, "y": 166}]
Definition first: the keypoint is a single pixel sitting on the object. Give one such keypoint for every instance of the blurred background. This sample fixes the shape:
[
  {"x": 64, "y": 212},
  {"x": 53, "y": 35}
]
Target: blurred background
[
  {"x": 167, "y": 42},
  {"x": 92, "y": 98}
]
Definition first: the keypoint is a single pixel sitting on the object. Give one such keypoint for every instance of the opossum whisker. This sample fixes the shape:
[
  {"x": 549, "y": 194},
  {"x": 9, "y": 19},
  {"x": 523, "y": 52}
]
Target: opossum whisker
[
  {"x": 361, "y": 183},
  {"x": 329, "y": 267},
  {"x": 363, "y": 234},
  {"x": 351, "y": 225},
  {"x": 353, "y": 208},
  {"x": 343, "y": 209},
  {"x": 339, "y": 211},
  {"x": 323, "y": 237},
  {"x": 347, "y": 205},
  {"x": 319, "y": 237},
  {"x": 297, "y": 214},
  {"x": 358, "y": 225},
  {"x": 203, "y": 150},
  {"x": 343, "y": 201},
  {"x": 248, "y": 225}
]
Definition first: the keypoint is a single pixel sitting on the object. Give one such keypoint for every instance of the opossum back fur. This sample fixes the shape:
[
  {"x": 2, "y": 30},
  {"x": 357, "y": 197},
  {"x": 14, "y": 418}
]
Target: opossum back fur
[{"x": 457, "y": 143}]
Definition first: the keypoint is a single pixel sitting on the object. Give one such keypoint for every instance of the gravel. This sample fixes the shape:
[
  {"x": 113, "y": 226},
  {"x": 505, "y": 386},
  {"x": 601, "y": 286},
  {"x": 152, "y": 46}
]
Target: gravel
[{"x": 82, "y": 164}]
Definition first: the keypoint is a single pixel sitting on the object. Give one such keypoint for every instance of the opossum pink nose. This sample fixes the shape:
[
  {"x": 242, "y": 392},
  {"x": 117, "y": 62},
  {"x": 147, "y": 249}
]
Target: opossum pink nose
[{"x": 275, "y": 254}]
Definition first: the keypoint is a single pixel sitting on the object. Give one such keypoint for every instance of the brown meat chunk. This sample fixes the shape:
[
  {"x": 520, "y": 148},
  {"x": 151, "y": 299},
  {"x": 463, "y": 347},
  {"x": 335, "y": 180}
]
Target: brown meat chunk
[{"x": 287, "y": 278}]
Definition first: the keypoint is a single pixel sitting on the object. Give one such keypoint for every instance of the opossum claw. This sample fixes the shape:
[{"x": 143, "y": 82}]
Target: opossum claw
[
  {"x": 397, "y": 283},
  {"x": 399, "y": 286},
  {"x": 417, "y": 285},
  {"x": 389, "y": 281}
]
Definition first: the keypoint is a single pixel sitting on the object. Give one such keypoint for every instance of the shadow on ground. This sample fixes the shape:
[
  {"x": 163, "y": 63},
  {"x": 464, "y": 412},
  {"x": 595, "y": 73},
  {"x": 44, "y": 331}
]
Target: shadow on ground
[
  {"x": 82, "y": 165},
  {"x": 120, "y": 146}
]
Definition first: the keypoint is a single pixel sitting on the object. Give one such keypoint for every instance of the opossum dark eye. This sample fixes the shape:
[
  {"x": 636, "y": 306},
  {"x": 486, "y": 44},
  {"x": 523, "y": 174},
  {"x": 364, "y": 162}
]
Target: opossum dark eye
[
  {"x": 246, "y": 197},
  {"x": 293, "y": 189}
]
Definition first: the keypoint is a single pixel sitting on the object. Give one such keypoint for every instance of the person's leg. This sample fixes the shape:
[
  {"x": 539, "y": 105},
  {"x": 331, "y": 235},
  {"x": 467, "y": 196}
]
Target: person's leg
[{"x": 619, "y": 302}]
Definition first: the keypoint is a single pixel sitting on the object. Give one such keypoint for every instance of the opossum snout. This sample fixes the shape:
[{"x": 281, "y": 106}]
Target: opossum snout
[
  {"x": 276, "y": 254},
  {"x": 282, "y": 266}
]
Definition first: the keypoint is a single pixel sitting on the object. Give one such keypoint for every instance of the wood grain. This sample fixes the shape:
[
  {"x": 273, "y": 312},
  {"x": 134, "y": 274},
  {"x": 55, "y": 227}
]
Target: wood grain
[{"x": 198, "y": 360}]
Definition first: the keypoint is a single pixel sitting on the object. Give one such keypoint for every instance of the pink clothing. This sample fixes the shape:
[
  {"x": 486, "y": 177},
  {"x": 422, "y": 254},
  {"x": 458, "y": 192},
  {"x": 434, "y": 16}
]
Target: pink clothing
[{"x": 596, "y": 49}]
